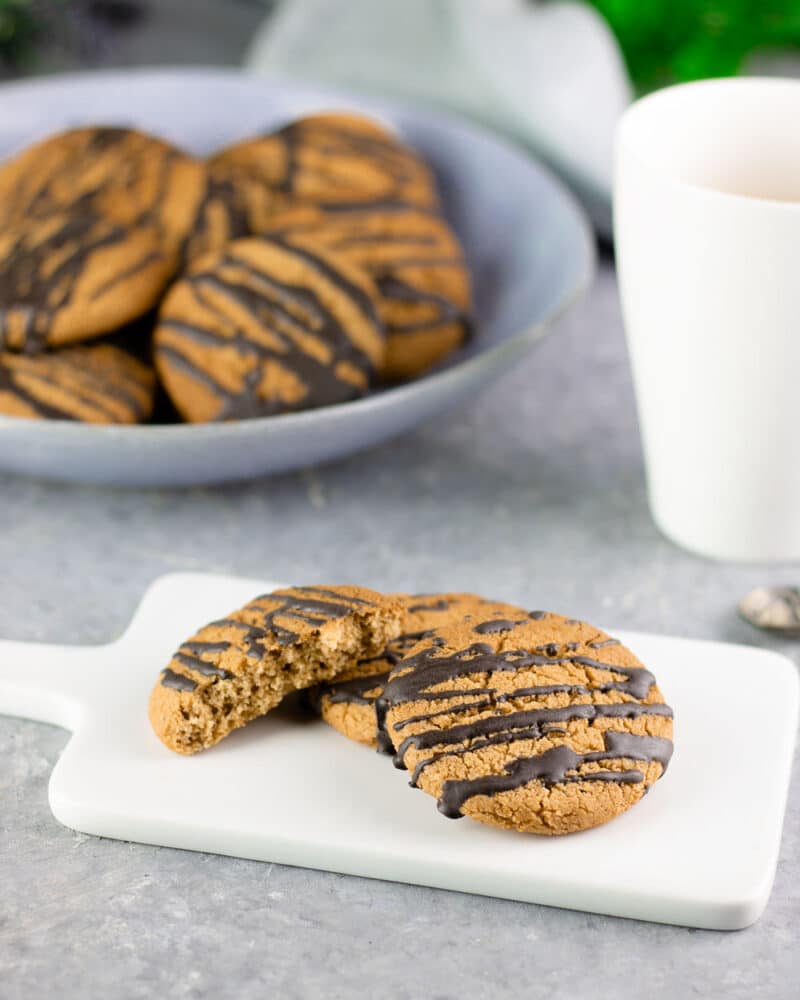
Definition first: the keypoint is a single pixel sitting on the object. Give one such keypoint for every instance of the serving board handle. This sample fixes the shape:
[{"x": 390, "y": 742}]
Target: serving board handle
[
  {"x": 62, "y": 685},
  {"x": 48, "y": 683}
]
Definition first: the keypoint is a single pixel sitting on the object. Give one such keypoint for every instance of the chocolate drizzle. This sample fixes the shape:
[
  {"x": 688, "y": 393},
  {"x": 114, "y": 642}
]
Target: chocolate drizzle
[
  {"x": 99, "y": 383},
  {"x": 43, "y": 266},
  {"x": 497, "y": 625},
  {"x": 423, "y": 678},
  {"x": 251, "y": 637},
  {"x": 412, "y": 255},
  {"x": 502, "y": 729},
  {"x": 311, "y": 605},
  {"x": 180, "y": 682},
  {"x": 440, "y": 604},
  {"x": 559, "y": 765},
  {"x": 304, "y": 609},
  {"x": 200, "y": 666},
  {"x": 354, "y": 691},
  {"x": 394, "y": 289},
  {"x": 303, "y": 335},
  {"x": 349, "y": 692},
  {"x": 398, "y": 648},
  {"x": 222, "y": 214},
  {"x": 129, "y": 179},
  {"x": 334, "y": 596},
  {"x": 320, "y": 153}
]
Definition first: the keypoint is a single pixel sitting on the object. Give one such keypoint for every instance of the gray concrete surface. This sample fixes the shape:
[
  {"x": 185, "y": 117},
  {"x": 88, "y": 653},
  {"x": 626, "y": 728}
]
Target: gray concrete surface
[{"x": 533, "y": 493}]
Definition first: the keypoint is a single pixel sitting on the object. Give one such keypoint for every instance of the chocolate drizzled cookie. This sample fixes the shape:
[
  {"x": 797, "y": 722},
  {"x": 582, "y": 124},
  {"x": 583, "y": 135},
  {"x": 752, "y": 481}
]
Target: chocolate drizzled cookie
[
  {"x": 417, "y": 264},
  {"x": 238, "y": 668},
  {"x": 533, "y": 722},
  {"x": 73, "y": 276},
  {"x": 96, "y": 384},
  {"x": 119, "y": 174},
  {"x": 333, "y": 159},
  {"x": 263, "y": 327},
  {"x": 348, "y": 702}
]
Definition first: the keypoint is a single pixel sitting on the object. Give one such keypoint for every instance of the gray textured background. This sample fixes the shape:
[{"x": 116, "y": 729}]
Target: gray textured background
[{"x": 533, "y": 493}]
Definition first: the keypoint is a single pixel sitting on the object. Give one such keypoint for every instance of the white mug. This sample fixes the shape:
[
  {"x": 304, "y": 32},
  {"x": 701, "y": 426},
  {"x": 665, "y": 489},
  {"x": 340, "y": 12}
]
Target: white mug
[{"x": 707, "y": 236}]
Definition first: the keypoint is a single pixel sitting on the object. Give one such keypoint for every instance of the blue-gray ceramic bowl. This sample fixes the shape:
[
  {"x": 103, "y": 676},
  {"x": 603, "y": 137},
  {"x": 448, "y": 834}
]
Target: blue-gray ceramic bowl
[{"x": 528, "y": 243}]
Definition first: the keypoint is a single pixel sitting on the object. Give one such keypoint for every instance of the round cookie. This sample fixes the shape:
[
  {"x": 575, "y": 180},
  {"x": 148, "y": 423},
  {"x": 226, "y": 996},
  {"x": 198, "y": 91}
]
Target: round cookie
[
  {"x": 335, "y": 158},
  {"x": 73, "y": 276},
  {"x": 120, "y": 174},
  {"x": 535, "y": 723},
  {"x": 417, "y": 264},
  {"x": 262, "y": 327},
  {"x": 240, "y": 667},
  {"x": 96, "y": 384},
  {"x": 348, "y": 702}
]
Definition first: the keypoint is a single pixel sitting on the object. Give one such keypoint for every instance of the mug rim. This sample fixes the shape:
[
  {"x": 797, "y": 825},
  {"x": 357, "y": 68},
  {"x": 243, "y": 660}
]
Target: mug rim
[{"x": 640, "y": 106}]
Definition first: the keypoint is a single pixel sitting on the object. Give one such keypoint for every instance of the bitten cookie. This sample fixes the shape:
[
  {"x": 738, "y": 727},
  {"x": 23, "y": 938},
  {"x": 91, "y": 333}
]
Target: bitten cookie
[
  {"x": 240, "y": 667},
  {"x": 335, "y": 158},
  {"x": 417, "y": 264},
  {"x": 348, "y": 702},
  {"x": 71, "y": 277},
  {"x": 98, "y": 384},
  {"x": 120, "y": 174},
  {"x": 263, "y": 327},
  {"x": 535, "y": 723}
]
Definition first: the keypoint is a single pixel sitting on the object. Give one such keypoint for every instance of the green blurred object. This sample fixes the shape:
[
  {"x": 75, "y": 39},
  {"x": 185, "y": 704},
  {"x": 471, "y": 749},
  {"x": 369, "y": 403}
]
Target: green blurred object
[
  {"x": 83, "y": 29},
  {"x": 20, "y": 24},
  {"x": 669, "y": 41}
]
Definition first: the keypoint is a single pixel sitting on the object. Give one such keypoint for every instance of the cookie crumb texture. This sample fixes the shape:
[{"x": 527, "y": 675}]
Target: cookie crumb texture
[
  {"x": 240, "y": 667},
  {"x": 262, "y": 328},
  {"x": 98, "y": 384},
  {"x": 348, "y": 702},
  {"x": 538, "y": 723}
]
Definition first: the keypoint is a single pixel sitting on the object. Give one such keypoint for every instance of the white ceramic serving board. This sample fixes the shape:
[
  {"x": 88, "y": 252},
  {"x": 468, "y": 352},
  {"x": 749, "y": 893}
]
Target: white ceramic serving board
[{"x": 700, "y": 850}]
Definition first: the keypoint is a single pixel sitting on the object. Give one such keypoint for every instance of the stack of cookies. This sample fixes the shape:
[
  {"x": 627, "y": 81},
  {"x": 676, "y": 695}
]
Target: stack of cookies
[
  {"x": 292, "y": 270},
  {"x": 523, "y": 720}
]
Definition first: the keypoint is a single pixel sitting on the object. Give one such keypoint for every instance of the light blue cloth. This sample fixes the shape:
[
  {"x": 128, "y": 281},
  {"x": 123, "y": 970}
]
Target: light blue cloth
[{"x": 549, "y": 75}]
